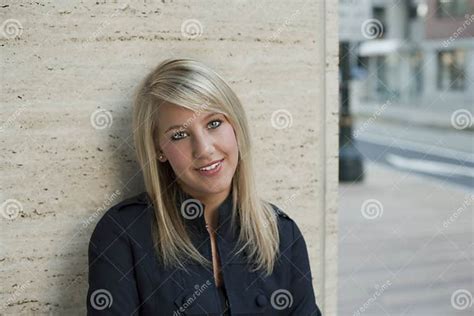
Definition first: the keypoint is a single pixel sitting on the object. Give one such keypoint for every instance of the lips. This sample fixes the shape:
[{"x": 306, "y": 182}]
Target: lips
[{"x": 210, "y": 164}]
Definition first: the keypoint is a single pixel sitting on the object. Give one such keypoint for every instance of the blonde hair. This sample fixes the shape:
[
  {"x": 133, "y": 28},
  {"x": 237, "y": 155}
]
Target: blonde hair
[{"x": 190, "y": 83}]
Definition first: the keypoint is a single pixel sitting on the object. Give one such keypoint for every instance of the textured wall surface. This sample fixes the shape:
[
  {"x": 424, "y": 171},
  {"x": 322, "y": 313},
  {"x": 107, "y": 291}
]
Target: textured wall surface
[{"x": 68, "y": 72}]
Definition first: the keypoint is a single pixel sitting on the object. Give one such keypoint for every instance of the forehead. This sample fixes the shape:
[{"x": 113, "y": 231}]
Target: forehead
[
  {"x": 171, "y": 114},
  {"x": 169, "y": 111}
]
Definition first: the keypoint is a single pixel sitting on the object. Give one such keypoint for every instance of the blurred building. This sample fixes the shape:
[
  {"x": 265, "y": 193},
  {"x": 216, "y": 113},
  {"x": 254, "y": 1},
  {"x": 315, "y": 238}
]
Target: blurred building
[{"x": 417, "y": 53}]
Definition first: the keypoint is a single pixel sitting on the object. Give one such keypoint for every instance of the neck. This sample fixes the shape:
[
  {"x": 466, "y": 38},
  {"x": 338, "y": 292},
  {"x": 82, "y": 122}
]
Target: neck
[
  {"x": 212, "y": 202},
  {"x": 211, "y": 214}
]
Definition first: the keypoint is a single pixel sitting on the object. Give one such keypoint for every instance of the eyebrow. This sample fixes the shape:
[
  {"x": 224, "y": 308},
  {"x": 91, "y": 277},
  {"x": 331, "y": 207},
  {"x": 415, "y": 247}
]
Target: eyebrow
[{"x": 180, "y": 125}]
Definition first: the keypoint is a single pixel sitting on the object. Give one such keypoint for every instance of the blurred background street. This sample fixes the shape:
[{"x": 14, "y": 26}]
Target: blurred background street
[
  {"x": 406, "y": 194},
  {"x": 406, "y": 230}
]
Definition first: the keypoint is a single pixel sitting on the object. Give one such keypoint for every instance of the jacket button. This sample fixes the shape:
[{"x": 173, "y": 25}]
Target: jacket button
[
  {"x": 261, "y": 300},
  {"x": 188, "y": 298}
]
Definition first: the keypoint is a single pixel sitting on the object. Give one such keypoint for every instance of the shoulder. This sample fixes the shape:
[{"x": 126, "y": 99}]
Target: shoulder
[
  {"x": 288, "y": 224},
  {"x": 119, "y": 216},
  {"x": 129, "y": 208},
  {"x": 137, "y": 200},
  {"x": 281, "y": 214}
]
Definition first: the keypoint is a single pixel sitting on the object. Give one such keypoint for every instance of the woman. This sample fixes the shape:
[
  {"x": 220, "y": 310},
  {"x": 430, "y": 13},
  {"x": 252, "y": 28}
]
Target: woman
[{"x": 199, "y": 241}]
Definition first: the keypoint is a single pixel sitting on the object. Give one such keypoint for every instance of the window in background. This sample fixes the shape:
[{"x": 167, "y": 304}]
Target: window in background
[
  {"x": 416, "y": 78},
  {"x": 453, "y": 8},
  {"x": 379, "y": 14},
  {"x": 451, "y": 74},
  {"x": 381, "y": 85}
]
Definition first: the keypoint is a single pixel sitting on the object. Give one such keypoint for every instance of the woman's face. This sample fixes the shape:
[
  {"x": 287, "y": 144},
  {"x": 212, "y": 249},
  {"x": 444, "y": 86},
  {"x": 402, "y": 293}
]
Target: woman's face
[{"x": 191, "y": 140}]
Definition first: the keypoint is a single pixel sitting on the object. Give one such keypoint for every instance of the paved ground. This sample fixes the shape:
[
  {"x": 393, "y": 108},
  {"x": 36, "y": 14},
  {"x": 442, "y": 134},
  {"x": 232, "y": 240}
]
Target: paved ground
[
  {"x": 406, "y": 232},
  {"x": 431, "y": 139},
  {"x": 405, "y": 245}
]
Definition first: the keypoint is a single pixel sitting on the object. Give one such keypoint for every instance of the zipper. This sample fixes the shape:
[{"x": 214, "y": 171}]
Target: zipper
[
  {"x": 224, "y": 292},
  {"x": 210, "y": 252},
  {"x": 226, "y": 309}
]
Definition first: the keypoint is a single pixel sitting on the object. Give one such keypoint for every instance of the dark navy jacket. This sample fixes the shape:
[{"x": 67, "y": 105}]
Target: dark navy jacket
[{"x": 126, "y": 277}]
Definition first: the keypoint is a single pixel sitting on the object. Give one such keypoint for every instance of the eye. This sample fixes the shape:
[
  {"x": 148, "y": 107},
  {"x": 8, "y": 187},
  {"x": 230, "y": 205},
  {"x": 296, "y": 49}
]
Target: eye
[
  {"x": 214, "y": 124},
  {"x": 182, "y": 134},
  {"x": 178, "y": 135}
]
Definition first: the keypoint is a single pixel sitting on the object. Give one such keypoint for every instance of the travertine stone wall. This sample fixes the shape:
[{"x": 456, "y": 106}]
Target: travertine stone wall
[{"x": 68, "y": 72}]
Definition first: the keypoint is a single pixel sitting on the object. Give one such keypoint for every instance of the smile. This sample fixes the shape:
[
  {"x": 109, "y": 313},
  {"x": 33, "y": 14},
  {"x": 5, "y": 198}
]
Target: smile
[
  {"x": 214, "y": 166},
  {"x": 211, "y": 169},
  {"x": 211, "y": 166}
]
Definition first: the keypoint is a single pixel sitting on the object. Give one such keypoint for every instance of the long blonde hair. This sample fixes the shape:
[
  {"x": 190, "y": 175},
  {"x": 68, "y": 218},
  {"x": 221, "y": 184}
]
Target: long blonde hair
[{"x": 190, "y": 83}]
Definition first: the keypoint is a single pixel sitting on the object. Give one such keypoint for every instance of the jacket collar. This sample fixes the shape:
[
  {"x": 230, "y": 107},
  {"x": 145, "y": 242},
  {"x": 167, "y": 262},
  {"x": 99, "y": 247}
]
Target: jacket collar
[
  {"x": 196, "y": 226},
  {"x": 192, "y": 210}
]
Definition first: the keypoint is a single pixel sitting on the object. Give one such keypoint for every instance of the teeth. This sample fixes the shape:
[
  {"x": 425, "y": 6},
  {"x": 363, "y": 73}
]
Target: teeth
[{"x": 211, "y": 167}]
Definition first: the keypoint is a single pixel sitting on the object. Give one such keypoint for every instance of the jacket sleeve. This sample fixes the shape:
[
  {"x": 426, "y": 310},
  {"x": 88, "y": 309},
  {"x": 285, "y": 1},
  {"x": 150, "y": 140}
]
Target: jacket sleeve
[
  {"x": 112, "y": 287},
  {"x": 304, "y": 301}
]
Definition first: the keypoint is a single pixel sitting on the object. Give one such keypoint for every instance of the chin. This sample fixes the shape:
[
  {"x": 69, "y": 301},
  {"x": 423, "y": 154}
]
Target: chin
[{"x": 212, "y": 187}]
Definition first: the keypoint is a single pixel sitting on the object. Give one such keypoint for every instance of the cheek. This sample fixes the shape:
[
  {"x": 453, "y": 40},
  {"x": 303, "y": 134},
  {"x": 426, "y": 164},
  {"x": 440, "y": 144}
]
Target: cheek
[
  {"x": 177, "y": 156},
  {"x": 229, "y": 141}
]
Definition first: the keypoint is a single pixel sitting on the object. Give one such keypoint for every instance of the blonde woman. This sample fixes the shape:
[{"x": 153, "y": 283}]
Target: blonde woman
[{"x": 199, "y": 240}]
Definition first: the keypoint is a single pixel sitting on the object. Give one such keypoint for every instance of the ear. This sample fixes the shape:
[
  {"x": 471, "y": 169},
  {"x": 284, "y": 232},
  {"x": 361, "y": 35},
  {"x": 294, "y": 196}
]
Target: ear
[
  {"x": 161, "y": 156},
  {"x": 159, "y": 152}
]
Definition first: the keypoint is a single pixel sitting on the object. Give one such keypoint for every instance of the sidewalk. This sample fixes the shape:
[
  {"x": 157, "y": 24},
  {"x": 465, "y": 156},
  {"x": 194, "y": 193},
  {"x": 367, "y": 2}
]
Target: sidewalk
[
  {"x": 461, "y": 117},
  {"x": 420, "y": 135},
  {"x": 405, "y": 246}
]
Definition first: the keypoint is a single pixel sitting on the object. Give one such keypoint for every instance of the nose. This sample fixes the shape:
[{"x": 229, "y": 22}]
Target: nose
[{"x": 203, "y": 146}]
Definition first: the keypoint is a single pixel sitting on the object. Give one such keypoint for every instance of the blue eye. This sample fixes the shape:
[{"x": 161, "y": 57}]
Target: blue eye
[
  {"x": 182, "y": 134},
  {"x": 213, "y": 126},
  {"x": 178, "y": 136}
]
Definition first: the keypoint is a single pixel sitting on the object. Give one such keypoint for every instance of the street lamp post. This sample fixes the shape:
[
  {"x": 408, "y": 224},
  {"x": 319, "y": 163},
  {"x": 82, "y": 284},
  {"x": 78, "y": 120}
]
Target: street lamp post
[{"x": 350, "y": 160}]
